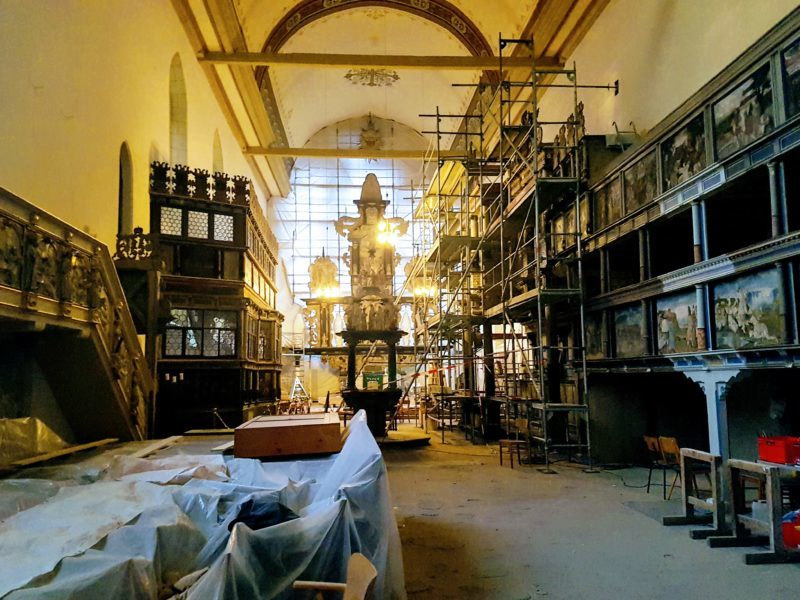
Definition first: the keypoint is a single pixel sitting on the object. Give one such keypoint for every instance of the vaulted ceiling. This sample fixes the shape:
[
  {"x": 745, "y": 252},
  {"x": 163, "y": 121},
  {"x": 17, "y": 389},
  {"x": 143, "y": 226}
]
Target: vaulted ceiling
[{"x": 282, "y": 69}]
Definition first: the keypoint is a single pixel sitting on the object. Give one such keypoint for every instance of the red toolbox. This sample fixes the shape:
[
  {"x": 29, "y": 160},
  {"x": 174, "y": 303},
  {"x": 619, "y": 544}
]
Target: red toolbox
[
  {"x": 791, "y": 529},
  {"x": 779, "y": 449}
]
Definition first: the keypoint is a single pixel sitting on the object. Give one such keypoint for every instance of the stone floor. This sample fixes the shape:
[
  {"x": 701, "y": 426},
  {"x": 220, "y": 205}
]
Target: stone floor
[{"x": 474, "y": 530}]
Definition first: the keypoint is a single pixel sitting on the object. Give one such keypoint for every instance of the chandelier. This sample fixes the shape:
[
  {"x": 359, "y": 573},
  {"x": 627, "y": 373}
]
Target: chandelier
[{"x": 372, "y": 77}]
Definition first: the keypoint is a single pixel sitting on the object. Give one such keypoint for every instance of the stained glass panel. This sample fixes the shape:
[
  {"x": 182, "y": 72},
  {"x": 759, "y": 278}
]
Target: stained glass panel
[
  {"x": 223, "y": 228},
  {"x": 198, "y": 224},
  {"x": 171, "y": 221}
]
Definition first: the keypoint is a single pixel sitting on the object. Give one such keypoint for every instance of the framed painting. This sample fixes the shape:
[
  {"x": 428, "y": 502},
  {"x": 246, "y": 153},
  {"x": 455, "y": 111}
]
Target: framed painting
[
  {"x": 684, "y": 154},
  {"x": 608, "y": 204},
  {"x": 745, "y": 114},
  {"x": 791, "y": 70},
  {"x": 558, "y": 234},
  {"x": 594, "y": 335},
  {"x": 628, "y": 323},
  {"x": 569, "y": 227},
  {"x": 600, "y": 209},
  {"x": 583, "y": 215},
  {"x": 676, "y": 323},
  {"x": 640, "y": 183},
  {"x": 748, "y": 311}
]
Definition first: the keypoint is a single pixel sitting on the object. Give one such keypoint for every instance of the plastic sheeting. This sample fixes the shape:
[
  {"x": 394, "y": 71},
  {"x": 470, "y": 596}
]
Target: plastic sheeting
[
  {"x": 115, "y": 545},
  {"x": 25, "y": 437}
]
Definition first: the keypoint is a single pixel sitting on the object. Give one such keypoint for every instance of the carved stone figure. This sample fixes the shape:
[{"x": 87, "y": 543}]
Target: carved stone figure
[
  {"x": 581, "y": 122},
  {"x": 311, "y": 318},
  {"x": 40, "y": 269},
  {"x": 120, "y": 355},
  {"x": 10, "y": 254},
  {"x": 68, "y": 260}
]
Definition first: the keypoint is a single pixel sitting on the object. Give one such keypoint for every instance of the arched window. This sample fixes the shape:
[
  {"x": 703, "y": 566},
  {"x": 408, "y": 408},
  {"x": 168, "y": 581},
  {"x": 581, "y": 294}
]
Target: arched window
[
  {"x": 178, "y": 122},
  {"x": 125, "y": 206},
  {"x": 216, "y": 154}
]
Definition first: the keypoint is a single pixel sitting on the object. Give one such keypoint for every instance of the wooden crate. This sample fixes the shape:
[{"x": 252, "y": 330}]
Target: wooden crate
[{"x": 288, "y": 435}]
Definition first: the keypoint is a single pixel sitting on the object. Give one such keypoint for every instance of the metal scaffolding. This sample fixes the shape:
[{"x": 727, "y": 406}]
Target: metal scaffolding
[{"x": 502, "y": 270}]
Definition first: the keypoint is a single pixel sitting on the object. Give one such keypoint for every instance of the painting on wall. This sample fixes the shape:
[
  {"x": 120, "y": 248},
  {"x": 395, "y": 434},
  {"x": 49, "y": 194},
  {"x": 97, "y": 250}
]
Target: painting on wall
[
  {"x": 684, "y": 154},
  {"x": 676, "y": 323},
  {"x": 791, "y": 66},
  {"x": 569, "y": 223},
  {"x": 608, "y": 204},
  {"x": 745, "y": 114},
  {"x": 640, "y": 183},
  {"x": 594, "y": 335},
  {"x": 583, "y": 213},
  {"x": 748, "y": 309},
  {"x": 628, "y": 323},
  {"x": 558, "y": 234}
]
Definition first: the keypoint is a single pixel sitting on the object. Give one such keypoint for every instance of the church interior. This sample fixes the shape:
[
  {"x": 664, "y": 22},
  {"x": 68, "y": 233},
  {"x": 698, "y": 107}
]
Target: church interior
[{"x": 399, "y": 299}]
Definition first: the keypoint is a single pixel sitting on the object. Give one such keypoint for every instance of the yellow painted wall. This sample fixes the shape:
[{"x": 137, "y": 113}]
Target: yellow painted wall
[
  {"x": 79, "y": 78},
  {"x": 661, "y": 51}
]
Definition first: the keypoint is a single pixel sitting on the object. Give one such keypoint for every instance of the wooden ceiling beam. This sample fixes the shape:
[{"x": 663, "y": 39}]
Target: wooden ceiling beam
[
  {"x": 299, "y": 59},
  {"x": 346, "y": 153}
]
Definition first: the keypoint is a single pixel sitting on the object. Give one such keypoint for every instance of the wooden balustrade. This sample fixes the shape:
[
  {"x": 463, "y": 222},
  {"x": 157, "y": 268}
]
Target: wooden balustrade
[{"x": 52, "y": 274}]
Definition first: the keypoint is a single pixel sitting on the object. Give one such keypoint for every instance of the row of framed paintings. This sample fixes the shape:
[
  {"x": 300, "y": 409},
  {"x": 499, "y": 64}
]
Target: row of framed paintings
[
  {"x": 748, "y": 313},
  {"x": 743, "y": 115}
]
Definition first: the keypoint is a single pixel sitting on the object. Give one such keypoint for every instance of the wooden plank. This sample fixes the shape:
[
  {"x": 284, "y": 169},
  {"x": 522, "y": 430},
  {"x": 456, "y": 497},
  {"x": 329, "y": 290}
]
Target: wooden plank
[
  {"x": 209, "y": 432},
  {"x": 223, "y": 447},
  {"x": 25, "y": 462},
  {"x": 697, "y": 454},
  {"x": 288, "y": 435},
  {"x": 156, "y": 446},
  {"x": 746, "y": 465},
  {"x": 387, "y": 61}
]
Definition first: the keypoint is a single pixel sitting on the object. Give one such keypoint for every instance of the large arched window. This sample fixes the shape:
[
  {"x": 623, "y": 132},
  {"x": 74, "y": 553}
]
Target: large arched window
[
  {"x": 178, "y": 122},
  {"x": 323, "y": 189},
  {"x": 125, "y": 206},
  {"x": 217, "y": 165}
]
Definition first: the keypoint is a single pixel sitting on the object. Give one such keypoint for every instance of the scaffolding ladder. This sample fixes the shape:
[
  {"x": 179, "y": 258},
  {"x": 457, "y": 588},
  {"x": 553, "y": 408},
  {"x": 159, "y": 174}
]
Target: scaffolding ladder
[{"x": 555, "y": 173}]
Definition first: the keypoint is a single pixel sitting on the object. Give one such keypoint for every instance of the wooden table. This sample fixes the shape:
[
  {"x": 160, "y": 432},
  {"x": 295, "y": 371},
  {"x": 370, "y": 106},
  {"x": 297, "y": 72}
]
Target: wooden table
[
  {"x": 693, "y": 463},
  {"x": 748, "y": 531}
]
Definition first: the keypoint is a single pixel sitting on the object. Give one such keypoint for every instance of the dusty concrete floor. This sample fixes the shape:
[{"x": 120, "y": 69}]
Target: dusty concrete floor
[{"x": 473, "y": 530}]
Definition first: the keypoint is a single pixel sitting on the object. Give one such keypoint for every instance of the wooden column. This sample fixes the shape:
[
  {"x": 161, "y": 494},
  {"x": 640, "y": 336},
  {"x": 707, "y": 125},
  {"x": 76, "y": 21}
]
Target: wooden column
[
  {"x": 351, "y": 365},
  {"x": 644, "y": 254},
  {"x": 392, "y": 365},
  {"x": 775, "y": 201},
  {"x": 700, "y": 300},
  {"x": 697, "y": 232},
  {"x": 603, "y": 270},
  {"x": 488, "y": 360}
]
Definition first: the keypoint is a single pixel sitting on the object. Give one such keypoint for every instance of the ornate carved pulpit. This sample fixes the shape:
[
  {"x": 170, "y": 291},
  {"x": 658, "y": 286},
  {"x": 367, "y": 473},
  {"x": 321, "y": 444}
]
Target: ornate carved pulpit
[{"x": 372, "y": 315}]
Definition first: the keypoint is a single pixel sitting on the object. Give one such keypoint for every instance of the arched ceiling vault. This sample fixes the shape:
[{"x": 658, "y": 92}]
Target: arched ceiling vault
[
  {"x": 283, "y": 69},
  {"x": 440, "y": 12}
]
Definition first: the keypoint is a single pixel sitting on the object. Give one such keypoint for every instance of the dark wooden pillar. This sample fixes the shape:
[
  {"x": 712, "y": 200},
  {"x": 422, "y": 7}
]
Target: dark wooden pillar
[
  {"x": 392, "y": 365},
  {"x": 488, "y": 360},
  {"x": 351, "y": 365}
]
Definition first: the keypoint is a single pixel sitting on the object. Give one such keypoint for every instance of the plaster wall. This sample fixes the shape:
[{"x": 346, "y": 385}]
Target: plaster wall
[
  {"x": 80, "y": 78},
  {"x": 661, "y": 51}
]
